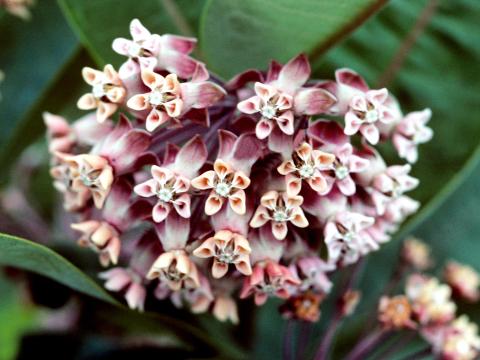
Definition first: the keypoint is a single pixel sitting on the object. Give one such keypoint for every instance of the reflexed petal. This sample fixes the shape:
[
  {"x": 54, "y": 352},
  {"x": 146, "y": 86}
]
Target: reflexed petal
[
  {"x": 313, "y": 101},
  {"x": 349, "y": 77},
  {"x": 182, "y": 44},
  {"x": 182, "y": 205},
  {"x": 201, "y": 94},
  {"x": 294, "y": 74}
]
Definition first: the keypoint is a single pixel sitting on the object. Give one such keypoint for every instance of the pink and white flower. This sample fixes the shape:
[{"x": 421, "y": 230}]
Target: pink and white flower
[
  {"x": 107, "y": 92},
  {"x": 226, "y": 248},
  {"x": 388, "y": 188},
  {"x": 152, "y": 51},
  {"x": 282, "y": 97},
  {"x": 169, "y": 99},
  {"x": 129, "y": 282},
  {"x": 279, "y": 209},
  {"x": 170, "y": 189},
  {"x": 411, "y": 132},
  {"x": 346, "y": 238},
  {"x": 364, "y": 112},
  {"x": 102, "y": 238},
  {"x": 226, "y": 184},
  {"x": 306, "y": 164},
  {"x": 268, "y": 279}
]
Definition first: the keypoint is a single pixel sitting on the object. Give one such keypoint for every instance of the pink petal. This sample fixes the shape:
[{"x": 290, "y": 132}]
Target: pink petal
[
  {"x": 294, "y": 74},
  {"x": 135, "y": 296},
  {"x": 226, "y": 140},
  {"x": 352, "y": 124},
  {"x": 191, "y": 157},
  {"x": 285, "y": 122},
  {"x": 201, "y": 94},
  {"x": 349, "y": 77},
  {"x": 313, "y": 101},
  {"x": 347, "y": 186},
  {"x": 182, "y": 205},
  {"x": 182, "y": 44}
]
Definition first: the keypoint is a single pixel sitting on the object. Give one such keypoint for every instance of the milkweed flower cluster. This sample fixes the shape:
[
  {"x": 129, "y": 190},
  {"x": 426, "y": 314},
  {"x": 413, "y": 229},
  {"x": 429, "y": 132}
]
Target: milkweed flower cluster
[
  {"x": 212, "y": 191},
  {"x": 428, "y": 306}
]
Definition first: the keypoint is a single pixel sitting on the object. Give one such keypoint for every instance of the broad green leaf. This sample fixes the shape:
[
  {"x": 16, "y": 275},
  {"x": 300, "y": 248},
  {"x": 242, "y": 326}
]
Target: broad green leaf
[
  {"x": 446, "y": 80},
  {"x": 30, "y": 256},
  {"x": 16, "y": 317},
  {"x": 32, "y": 53},
  {"x": 239, "y": 34},
  {"x": 98, "y": 23},
  {"x": 433, "y": 76},
  {"x": 27, "y": 255}
]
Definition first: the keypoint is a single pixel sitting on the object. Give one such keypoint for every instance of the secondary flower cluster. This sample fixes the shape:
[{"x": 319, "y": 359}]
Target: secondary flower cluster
[
  {"x": 214, "y": 191},
  {"x": 427, "y": 305}
]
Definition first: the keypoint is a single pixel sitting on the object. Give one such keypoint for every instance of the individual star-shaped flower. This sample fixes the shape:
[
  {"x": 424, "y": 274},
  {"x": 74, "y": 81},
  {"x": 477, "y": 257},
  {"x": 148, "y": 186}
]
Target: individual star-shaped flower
[
  {"x": 170, "y": 100},
  {"x": 170, "y": 189},
  {"x": 364, "y": 111},
  {"x": 107, "y": 92},
  {"x": 307, "y": 165},
  {"x": 226, "y": 183},
  {"x": 226, "y": 248},
  {"x": 282, "y": 96},
  {"x": 279, "y": 209},
  {"x": 410, "y": 132}
]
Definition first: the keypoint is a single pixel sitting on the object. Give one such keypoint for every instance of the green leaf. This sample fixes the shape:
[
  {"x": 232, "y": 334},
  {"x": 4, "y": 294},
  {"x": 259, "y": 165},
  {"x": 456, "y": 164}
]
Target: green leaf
[
  {"x": 98, "y": 23},
  {"x": 239, "y": 34},
  {"x": 30, "y": 256},
  {"x": 16, "y": 317},
  {"x": 32, "y": 52},
  {"x": 432, "y": 76},
  {"x": 27, "y": 255}
]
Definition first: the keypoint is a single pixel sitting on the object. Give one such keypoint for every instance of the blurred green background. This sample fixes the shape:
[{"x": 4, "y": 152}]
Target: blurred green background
[{"x": 426, "y": 51}]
